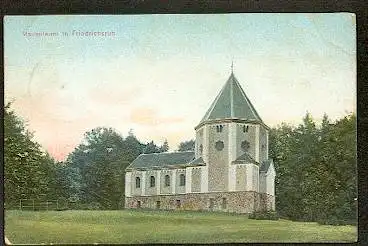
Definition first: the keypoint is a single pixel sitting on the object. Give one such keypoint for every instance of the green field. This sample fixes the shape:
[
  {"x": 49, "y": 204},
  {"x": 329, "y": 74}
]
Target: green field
[{"x": 129, "y": 226}]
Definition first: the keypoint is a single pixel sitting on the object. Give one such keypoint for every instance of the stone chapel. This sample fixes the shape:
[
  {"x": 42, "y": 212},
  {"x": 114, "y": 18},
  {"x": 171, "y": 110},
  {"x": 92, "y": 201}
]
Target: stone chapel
[{"x": 229, "y": 170}]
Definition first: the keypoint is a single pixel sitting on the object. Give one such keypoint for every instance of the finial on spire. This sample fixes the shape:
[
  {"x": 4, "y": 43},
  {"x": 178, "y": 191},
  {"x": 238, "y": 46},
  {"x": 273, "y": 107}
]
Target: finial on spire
[{"x": 232, "y": 66}]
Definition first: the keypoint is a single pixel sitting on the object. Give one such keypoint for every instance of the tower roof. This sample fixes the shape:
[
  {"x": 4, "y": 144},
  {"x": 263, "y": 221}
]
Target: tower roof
[{"x": 231, "y": 103}]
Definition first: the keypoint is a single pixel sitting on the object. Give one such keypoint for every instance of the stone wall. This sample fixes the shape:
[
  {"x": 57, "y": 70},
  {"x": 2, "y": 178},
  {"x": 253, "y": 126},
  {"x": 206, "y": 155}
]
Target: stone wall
[
  {"x": 179, "y": 189},
  {"x": 163, "y": 188},
  {"x": 218, "y": 164},
  {"x": 196, "y": 179},
  {"x": 241, "y": 177},
  {"x": 198, "y": 142},
  {"x": 136, "y": 191},
  {"x": 151, "y": 190},
  {"x": 262, "y": 144},
  {"x": 249, "y": 136},
  {"x": 238, "y": 202},
  {"x": 262, "y": 182},
  {"x": 255, "y": 178}
]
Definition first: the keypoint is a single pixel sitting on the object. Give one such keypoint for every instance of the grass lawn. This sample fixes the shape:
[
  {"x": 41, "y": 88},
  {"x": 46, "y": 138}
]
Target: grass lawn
[{"x": 131, "y": 226}]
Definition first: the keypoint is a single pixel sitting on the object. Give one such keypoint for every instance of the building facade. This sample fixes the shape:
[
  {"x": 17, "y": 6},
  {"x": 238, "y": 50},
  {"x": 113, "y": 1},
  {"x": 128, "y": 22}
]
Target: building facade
[{"x": 229, "y": 170}]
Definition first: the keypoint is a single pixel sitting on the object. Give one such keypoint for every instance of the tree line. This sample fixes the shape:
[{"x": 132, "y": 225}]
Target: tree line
[
  {"x": 315, "y": 166},
  {"x": 316, "y": 170}
]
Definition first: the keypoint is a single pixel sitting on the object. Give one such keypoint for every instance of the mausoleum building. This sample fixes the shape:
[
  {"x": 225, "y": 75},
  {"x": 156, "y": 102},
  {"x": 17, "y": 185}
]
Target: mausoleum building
[{"x": 229, "y": 170}]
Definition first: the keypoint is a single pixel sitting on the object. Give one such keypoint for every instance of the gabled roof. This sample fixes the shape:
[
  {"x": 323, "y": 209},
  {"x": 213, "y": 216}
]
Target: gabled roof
[
  {"x": 197, "y": 161},
  {"x": 231, "y": 103},
  {"x": 265, "y": 165},
  {"x": 245, "y": 158},
  {"x": 160, "y": 160}
]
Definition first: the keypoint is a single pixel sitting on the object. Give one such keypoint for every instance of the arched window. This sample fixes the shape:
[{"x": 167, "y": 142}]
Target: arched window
[
  {"x": 167, "y": 180},
  {"x": 219, "y": 128},
  {"x": 152, "y": 181},
  {"x": 137, "y": 182},
  {"x": 201, "y": 149},
  {"x": 182, "y": 180},
  {"x": 245, "y": 128}
]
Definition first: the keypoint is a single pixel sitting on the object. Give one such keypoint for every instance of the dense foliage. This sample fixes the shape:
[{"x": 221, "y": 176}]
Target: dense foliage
[
  {"x": 264, "y": 215},
  {"x": 316, "y": 170},
  {"x": 96, "y": 167},
  {"x": 187, "y": 145},
  {"x": 28, "y": 171},
  {"x": 92, "y": 177}
]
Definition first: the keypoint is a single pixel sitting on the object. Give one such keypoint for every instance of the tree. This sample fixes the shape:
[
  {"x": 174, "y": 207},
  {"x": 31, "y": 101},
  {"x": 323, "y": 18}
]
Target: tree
[
  {"x": 28, "y": 170},
  {"x": 165, "y": 146},
  {"x": 97, "y": 167},
  {"x": 316, "y": 169},
  {"x": 151, "y": 147},
  {"x": 187, "y": 145}
]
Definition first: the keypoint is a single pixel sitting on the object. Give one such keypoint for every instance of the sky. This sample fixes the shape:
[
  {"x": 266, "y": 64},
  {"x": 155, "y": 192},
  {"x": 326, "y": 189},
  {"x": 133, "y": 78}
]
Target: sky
[{"x": 158, "y": 74}]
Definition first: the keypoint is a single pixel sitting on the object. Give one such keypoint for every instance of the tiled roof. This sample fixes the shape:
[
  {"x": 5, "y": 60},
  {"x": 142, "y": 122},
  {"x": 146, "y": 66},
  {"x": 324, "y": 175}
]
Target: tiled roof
[
  {"x": 160, "y": 160},
  {"x": 245, "y": 158},
  {"x": 197, "y": 161},
  {"x": 231, "y": 103}
]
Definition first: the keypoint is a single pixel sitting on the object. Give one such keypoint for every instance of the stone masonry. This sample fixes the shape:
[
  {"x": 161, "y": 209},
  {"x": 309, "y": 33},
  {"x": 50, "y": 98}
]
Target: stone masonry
[{"x": 237, "y": 202}]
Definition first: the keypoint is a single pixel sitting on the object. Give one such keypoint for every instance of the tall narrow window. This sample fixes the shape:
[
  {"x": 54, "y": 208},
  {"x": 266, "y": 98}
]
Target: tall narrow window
[
  {"x": 200, "y": 149},
  {"x": 152, "y": 181},
  {"x": 137, "y": 182},
  {"x": 138, "y": 204},
  {"x": 167, "y": 180},
  {"x": 219, "y": 128},
  {"x": 182, "y": 180},
  {"x": 158, "y": 204},
  {"x": 224, "y": 203},
  {"x": 245, "y": 128}
]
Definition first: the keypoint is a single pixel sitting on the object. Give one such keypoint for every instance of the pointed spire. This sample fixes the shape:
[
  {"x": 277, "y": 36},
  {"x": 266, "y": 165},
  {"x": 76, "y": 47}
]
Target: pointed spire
[
  {"x": 232, "y": 66},
  {"x": 231, "y": 103}
]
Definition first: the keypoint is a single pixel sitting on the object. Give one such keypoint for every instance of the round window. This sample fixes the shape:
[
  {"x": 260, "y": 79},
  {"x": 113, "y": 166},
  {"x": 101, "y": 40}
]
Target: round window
[
  {"x": 245, "y": 145},
  {"x": 219, "y": 145}
]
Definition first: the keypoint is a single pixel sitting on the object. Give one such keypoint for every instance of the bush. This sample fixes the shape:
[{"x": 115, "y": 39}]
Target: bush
[
  {"x": 264, "y": 215},
  {"x": 335, "y": 221}
]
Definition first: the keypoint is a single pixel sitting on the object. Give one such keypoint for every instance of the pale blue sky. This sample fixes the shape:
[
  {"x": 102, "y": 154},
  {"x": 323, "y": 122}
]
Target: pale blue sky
[{"x": 160, "y": 73}]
